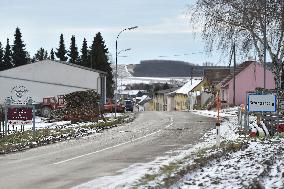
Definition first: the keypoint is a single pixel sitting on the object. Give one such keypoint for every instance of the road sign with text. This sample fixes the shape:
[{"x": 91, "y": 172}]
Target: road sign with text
[{"x": 261, "y": 103}]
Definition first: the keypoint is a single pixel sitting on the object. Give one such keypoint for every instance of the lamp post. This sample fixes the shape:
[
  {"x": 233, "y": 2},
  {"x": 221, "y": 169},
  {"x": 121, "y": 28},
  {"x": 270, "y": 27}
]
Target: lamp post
[{"x": 116, "y": 53}]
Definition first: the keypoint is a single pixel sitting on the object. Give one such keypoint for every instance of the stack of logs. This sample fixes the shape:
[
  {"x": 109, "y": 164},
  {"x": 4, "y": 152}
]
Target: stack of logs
[{"x": 80, "y": 106}]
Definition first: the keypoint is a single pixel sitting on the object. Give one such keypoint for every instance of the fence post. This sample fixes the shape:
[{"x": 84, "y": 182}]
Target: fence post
[{"x": 6, "y": 119}]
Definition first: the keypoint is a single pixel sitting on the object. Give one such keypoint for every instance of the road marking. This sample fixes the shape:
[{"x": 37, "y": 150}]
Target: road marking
[{"x": 111, "y": 147}]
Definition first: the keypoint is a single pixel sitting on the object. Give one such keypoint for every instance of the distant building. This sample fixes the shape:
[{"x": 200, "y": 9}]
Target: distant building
[
  {"x": 51, "y": 78},
  {"x": 248, "y": 77},
  {"x": 179, "y": 99},
  {"x": 214, "y": 76},
  {"x": 160, "y": 101},
  {"x": 131, "y": 94}
]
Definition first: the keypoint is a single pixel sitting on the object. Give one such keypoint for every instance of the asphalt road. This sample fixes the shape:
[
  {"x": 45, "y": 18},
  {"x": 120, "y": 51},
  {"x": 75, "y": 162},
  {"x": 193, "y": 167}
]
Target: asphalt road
[{"x": 70, "y": 163}]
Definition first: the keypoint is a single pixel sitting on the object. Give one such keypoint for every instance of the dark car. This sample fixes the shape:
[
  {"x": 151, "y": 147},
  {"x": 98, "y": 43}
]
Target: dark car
[{"x": 128, "y": 105}]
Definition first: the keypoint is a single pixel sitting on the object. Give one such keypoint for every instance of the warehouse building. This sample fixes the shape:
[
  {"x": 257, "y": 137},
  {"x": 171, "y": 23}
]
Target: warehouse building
[{"x": 49, "y": 78}]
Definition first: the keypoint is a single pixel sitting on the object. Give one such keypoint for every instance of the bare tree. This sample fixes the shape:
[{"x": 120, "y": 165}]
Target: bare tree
[{"x": 244, "y": 22}]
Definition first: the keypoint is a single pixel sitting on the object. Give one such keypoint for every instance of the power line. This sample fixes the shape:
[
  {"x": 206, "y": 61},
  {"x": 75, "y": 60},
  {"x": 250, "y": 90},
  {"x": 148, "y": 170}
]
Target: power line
[{"x": 185, "y": 54}]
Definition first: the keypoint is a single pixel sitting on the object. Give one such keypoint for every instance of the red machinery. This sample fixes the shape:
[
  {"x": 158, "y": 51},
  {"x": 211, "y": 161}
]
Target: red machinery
[{"x": 52, "y": 103}]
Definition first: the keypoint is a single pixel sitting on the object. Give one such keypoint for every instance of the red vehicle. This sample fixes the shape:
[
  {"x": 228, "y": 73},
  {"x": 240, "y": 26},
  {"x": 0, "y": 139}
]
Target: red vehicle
[
  {"x": 52, "y": 103},
  {"x": 110, "y": 107}
]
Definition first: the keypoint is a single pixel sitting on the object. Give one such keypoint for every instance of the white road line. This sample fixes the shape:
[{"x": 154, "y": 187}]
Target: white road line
[{"x": 111, "y": 147}]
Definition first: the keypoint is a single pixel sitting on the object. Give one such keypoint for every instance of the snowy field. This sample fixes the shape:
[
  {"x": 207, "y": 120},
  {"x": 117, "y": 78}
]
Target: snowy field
[{"x": 259, "y": 165}]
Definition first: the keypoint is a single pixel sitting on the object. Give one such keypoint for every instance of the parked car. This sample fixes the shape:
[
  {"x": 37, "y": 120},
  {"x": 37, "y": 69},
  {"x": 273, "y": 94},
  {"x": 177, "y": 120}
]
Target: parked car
[
  {"x": 110, "y": 107},
  {"x": 128, "y": 105}
]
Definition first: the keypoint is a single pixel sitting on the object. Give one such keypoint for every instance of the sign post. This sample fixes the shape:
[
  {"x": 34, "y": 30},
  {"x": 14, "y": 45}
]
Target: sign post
[
  {"x": 19, "y": 108},
  {"x": 218, "y": 105}
]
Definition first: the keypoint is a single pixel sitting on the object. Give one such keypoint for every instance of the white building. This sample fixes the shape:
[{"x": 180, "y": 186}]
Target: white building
[{"x": 51, "y": 78}]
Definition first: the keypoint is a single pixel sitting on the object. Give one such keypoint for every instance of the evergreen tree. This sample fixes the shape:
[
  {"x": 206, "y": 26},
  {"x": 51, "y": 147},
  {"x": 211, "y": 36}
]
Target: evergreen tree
[
  {"x": 7, "y": 59},
  {"x": 100, "y": 61},
  {"x": 52, "y": 55},
  {"x": 166, "y": 86},
  {"x": 41, "y": 55},
  {"x": 84, "y": 56},
  {"x": 19, "y": 54},
  {"x": 61, "y": 51},
  {"x": 1, "y": 57},
  {"x": 73, "y": 52}
]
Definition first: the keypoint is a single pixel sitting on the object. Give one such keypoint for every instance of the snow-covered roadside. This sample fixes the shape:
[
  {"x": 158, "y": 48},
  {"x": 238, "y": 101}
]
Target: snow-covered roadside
[
  {"x": 41, "y": 123},
  {"x": 136, "y": 175},
  {"x": 47, "y": 133},
  {"x": 260, "y": 164}
]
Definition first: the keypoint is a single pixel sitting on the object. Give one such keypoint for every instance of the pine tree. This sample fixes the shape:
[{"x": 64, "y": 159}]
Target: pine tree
[
  {"x": 1, "y": 57},
  {"x": 19, "y": 54},
  {"x": 52, "y": 55},
  {"x": 7, "y": 59},
  {"x": 73, "y": 52},
  {"x": 61, "y": 51},
  {"x": 100, "y": 61},
  {"x": 84, "y": 56},
  {"x": 41, "y": 55}
]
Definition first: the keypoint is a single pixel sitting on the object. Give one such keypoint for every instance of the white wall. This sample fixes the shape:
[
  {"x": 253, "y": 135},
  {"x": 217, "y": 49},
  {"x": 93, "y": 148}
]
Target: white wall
[{"x": 48, "y": 78}]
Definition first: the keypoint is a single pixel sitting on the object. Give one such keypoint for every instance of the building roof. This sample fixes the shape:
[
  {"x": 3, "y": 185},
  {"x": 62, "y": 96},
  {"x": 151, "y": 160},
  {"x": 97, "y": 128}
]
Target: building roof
[
  {"x": 238, "y": 70},
  {"x": 76, "y": 65},
  {"x": 131, "y": 92},
  {"x": 216, "y": 75},
  {"x": 187, "y": 87},
  {"x": 165, "y": 91},
  {"x": 57, "y": 61}
]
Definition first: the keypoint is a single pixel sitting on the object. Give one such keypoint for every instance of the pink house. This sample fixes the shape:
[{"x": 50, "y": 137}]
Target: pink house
[{"x": 249, "y": 75}]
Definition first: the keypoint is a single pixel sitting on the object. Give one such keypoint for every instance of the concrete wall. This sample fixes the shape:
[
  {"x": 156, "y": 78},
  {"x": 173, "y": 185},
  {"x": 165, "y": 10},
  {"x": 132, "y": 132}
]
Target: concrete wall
[{"x": 49, "y": 78}]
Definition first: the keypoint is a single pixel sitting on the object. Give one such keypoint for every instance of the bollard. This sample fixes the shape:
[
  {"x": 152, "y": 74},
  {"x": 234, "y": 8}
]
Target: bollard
[{"x": 218, "y": 134}]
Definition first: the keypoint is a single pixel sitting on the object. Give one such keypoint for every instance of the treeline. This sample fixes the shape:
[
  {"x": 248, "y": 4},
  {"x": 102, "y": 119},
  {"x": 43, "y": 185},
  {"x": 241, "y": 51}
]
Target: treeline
[
  {"x": 95, "y": 56},
  {"x": 162, "y": 68},
  {"x": 170, "y": 68}
]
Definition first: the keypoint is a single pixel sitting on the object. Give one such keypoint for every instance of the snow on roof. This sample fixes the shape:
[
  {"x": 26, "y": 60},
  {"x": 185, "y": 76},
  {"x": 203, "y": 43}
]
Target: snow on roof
[
  {"x": 187, "y": 87},
  {"x": 131, "y": 92}
]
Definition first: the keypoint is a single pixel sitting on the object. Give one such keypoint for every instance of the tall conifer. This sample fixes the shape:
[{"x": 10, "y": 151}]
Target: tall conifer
[
  {"x": 84, "y": 55},
  {"x": 73, "y": 52},
  {"x": 7, "y": 59},
  {"x": 61, "y": 51},
  {"x": 100, "y": 61},
  {"x": 52, "y": 55},
  {"x": 1, "y": 57},
  {"x": 19, "y": 54}
]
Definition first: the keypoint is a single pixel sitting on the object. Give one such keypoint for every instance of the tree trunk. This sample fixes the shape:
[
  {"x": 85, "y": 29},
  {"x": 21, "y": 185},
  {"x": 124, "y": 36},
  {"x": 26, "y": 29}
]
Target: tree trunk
[{"x": 282, "y": 76}]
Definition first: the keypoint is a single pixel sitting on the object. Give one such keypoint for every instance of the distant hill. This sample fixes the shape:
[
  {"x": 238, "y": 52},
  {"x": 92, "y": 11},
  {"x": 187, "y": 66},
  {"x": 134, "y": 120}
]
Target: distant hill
[{"x": 165, "y": 68}]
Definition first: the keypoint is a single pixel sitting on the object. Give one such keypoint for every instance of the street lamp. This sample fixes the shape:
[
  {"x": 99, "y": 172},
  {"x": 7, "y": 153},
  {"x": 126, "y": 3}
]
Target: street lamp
[
  {"x": 124, "y": 50},
  {"x": 131, "y": 28}
]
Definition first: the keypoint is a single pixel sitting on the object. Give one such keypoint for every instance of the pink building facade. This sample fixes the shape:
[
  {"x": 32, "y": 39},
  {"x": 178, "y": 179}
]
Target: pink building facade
[{"x": 249, "y": 77}]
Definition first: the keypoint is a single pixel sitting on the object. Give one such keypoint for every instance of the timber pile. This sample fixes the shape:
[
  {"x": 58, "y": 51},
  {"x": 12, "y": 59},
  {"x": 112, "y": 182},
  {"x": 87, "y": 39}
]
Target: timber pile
[{"x": 80, "y": 106}]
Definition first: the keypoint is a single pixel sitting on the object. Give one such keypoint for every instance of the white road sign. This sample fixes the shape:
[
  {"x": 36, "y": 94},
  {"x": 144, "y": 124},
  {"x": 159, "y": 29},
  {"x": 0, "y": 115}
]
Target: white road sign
[{"x": 261, "y": 103}]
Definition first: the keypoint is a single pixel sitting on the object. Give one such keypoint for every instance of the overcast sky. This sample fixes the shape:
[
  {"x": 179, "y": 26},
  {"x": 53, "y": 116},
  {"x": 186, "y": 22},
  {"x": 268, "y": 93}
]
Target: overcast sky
[{"x": 163, "y": 29}]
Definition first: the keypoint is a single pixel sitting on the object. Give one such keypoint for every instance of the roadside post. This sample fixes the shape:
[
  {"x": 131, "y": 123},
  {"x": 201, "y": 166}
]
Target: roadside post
[{"x": 218, "y": 105}]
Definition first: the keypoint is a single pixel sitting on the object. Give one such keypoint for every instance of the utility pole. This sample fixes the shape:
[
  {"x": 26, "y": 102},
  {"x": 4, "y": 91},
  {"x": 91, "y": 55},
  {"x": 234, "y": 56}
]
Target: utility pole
[
  {"x": 191, "y": 71},
  {"x": 264, "y": 47},
  {"x": 234, "y": 75}
]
